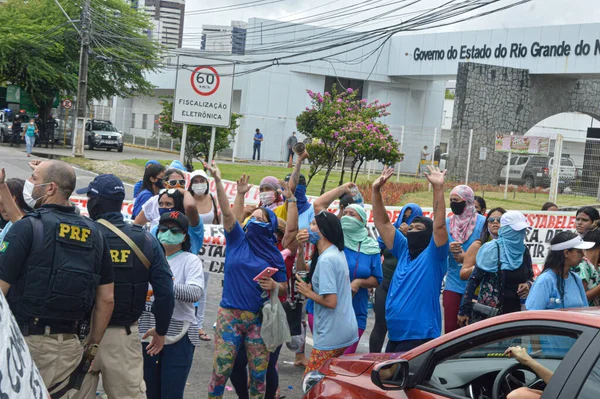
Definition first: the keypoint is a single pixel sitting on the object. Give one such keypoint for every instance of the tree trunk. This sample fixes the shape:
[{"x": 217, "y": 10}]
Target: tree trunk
[
  {"x": 358, "y": 169},
  {"x": 354, "y": 161},
  {"x": 329, "y": 168},
  {"x": 343, "y": 169}
]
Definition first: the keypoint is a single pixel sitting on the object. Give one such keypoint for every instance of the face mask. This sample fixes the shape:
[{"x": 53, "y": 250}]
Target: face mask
[
  {"x": 28, "y": 193},
  {"x": 458, "y": 207},
  {"x": 159, "y": 184},
  {"x": 169, "y": 238},
  {"x": 94, "y": 208},
  {"x": 492, "y": 234},
  {"x": 162, "y": 211},
  {"x": 199, "y": 188},
  {"x": 350, "y": 224},
  {"x": 267, "y": 198},
  {"x": 252, "y": 223},
  {"x": 313, "y": 237},
  {"x": 31, "y": 123}
]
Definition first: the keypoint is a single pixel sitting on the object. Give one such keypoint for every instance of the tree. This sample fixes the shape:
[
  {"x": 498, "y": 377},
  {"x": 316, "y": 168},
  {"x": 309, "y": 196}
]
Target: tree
[
  {"x": 39, "y": 49},
  {"x": 198, "y": 137},
  {"x": 341, "y": 125}
]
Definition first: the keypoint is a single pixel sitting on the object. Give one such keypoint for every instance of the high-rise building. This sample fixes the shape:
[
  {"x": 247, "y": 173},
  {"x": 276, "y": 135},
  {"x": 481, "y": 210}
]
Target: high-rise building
[
  {"x": 223, "y": 38},
  {"x": 167, "y": 16}
]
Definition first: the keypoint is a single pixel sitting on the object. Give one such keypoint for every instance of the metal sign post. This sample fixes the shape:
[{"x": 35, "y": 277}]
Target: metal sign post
[
  {"x": 553, "y": 196},
  {"x": 203, "y": 96},
  {"x": 507, "y": 175},
  {"x": 469, "y": 157}
]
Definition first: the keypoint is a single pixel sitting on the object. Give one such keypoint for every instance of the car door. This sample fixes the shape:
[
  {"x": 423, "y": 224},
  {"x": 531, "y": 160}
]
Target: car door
[
  {"x": 466, "y": 366},
  {"x": 584, "y": 382}
]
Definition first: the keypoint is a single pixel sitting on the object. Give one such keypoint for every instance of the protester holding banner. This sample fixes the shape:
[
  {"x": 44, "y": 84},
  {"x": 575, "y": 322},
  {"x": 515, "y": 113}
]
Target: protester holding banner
[
  {"x": 250, "y": 251},
  {"x": 588, "y": 268},
  {"x": 336, "y": 328},
  {"x": 558, "y": 287},
  {"x": 413, "y": 311},
  {"x": 151, "y": 184},
  {"x": 490, "y": 232},
  {"x": 464, "y": 227},
  {"x": 503, "y": 270},
  {"x": 408, "y": 213},
  {"x": 166, "y": 373},
  {"x": 586, "y": 219}
]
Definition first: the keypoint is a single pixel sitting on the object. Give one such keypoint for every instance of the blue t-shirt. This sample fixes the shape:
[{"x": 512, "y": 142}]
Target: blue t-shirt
[
  {"x": 139, "y": 201},
  {"x": 367, "y": 266},
  {"x": 306, "y": 217},
  {"x": 196, "y": 234},
  {"x": 334, "y": 328},
  {"x": 413, "y": 300},
  {"x": 453, "y": 281},
  {"x": 544, "y": 288},
  {"x": 240, "y": 291},
  {"x": 257, "y": 137},
  {"x": 137, "y": 188}
]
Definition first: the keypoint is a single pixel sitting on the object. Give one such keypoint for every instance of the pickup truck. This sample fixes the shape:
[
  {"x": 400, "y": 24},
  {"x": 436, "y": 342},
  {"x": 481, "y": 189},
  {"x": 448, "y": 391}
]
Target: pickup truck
[{"x": 536, "y": 171}]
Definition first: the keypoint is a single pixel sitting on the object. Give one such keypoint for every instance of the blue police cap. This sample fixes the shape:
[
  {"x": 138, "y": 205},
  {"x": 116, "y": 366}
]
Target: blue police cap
[{"x": 105, "y": 186}]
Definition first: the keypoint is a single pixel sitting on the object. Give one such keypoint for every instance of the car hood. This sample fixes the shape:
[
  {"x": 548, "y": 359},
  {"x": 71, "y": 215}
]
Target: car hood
[
  {"x": 104, "y": 132},
  {"x": 355, "y": 365}
]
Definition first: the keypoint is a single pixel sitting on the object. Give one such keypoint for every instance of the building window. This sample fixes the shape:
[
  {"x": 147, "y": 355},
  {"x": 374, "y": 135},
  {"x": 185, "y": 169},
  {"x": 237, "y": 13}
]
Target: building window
[
  {"x": 144, "y": 121},
  {"x": 156, "y": 124},
  {"x": 133, "y": 121}
]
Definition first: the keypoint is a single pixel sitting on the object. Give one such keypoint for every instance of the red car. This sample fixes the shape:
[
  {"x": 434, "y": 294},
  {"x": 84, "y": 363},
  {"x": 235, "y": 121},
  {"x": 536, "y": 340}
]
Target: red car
[{"x": 470, "y": 362}]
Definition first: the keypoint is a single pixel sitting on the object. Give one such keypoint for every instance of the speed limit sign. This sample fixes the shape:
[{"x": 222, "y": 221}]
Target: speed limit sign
[
  {"x": 203, "y": 92},
  {"x": 67, "y": 104}
]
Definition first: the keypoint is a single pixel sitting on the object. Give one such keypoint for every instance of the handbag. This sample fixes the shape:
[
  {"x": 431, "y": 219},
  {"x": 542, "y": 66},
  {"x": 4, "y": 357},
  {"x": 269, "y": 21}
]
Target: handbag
[
  {"x": 491, "y": 293},
  {"x": 275, "y": 330}
]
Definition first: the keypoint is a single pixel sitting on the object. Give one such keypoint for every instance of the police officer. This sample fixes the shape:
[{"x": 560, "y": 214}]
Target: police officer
[
  {"x": 54, "y": 268},
  {"x": 138, "y": 259},
  {"x": 51, "y": 125}
]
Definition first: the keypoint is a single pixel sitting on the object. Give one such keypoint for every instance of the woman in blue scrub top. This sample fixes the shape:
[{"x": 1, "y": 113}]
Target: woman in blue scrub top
[{"x": 558, "y": 287}]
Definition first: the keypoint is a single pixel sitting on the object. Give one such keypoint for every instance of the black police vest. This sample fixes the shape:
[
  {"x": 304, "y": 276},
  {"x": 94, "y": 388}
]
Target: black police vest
[
  {"x": 131, "y": 276},
  {"x": 62, "y": 270}
]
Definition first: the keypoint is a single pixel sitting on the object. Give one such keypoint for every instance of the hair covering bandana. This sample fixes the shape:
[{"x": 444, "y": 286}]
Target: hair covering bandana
[
  {"x": 331, "y": 228},
  {"x": 273, "y": 183},
  {"x": 416, "y": 212},
  {"x": 356, "y": 235},
  {"x": 261, "y": 237},
  {"x": 512, "y": 248},
  {"x": 462, "y": 226}
]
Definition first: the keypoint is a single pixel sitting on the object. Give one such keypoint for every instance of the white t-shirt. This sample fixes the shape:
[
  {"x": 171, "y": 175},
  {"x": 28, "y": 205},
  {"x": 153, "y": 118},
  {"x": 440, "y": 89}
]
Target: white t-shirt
[
  {"x": 150, "y": 209},
  {"x": 187, "y": 269}
]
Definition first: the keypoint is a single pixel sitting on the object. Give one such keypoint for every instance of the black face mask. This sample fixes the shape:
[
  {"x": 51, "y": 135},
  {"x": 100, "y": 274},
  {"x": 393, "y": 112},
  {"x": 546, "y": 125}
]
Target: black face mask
[
  {"x": 458, "y": 207},
  {"x": 96, "y": 206},
  {"x": 159, "y": 184},
  {"x": 418, "y": 241}
]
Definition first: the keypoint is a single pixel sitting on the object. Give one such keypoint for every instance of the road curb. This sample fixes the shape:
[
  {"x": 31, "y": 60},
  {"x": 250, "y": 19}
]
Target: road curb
[{"x": 141, "y": 147}]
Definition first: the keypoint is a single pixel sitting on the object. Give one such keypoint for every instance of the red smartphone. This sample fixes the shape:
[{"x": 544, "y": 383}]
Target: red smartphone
[{"x": 268, "y": 272}]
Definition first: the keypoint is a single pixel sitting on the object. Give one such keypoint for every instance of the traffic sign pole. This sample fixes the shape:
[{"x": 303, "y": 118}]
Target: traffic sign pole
[
  {"x": 65, "y": 130},
  {"x": 183, "y": 140},
  {"x": 213, "y": 132}
]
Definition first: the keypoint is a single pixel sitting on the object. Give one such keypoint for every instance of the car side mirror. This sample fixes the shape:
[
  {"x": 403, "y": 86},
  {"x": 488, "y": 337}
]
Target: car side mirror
[{"x": 391, "y": 376}]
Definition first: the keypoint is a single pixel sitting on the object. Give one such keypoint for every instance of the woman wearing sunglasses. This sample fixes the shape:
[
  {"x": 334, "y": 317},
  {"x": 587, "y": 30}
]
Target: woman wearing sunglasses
[
  {"x": 250, "y": 250},
  {"x": 505, "y": 266},
  {"x": 166, "y": 373}
]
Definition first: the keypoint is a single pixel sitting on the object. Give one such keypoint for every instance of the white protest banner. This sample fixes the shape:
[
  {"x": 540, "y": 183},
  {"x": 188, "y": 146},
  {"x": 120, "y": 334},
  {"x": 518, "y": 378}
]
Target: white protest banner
[{"x": 19, "y": 377}]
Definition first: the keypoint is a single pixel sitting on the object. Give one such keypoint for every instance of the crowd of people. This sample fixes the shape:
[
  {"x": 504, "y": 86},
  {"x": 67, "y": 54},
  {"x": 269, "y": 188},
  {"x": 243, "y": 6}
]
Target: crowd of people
[{"x": 135, "y": 293}]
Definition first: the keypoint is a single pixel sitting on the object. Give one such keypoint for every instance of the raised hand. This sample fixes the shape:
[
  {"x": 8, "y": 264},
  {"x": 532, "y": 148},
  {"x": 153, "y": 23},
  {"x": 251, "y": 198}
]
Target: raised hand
[
  {"x": 385, "y": 176},
  {"x": 214, "y": 170},
  {"x": 287, "y": 193},
  {"x": 242, "y": 184},
  {"x": 350, "y": 186},
  {"x": 2, "y": 176},
  {"x": 435, "y": 176}
]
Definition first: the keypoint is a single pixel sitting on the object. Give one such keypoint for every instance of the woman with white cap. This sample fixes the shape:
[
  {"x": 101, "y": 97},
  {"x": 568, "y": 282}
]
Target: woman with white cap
[
  {"x": 503, "y": 268},
  {"x": 558, "y": 287},
  {"x": 205, "y": 202}
]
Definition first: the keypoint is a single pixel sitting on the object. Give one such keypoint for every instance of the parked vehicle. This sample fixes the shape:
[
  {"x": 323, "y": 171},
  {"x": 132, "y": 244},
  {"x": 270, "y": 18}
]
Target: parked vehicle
[
  {"x": 7, "y": 117},
  {"x": 470, "y": 362},
  {"x": 536, "y": 171},
  {"x": 103, "y": 134}
]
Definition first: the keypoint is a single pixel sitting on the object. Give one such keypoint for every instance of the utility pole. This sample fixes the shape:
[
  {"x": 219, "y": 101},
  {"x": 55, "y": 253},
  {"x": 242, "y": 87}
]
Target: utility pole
[{"x": 81, "y": 104}]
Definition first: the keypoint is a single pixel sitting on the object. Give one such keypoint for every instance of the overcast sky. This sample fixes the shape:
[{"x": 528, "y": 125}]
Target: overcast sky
[{"x": 534, "y": 13}]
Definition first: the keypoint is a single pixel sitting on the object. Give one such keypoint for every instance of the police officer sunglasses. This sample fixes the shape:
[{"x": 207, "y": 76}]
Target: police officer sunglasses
[
  {"x": 174, "y": 229},
  {"x": 173, "y": 183}
]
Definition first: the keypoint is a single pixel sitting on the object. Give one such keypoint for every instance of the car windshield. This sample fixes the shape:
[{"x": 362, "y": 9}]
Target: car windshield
[
  {"x": 538, "y": 346},
  {"x": 103, "y": 127}
]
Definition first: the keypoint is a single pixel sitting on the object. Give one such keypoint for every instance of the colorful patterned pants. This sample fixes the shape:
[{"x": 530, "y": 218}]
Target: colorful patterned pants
[
  {"x": 235, "y": 328},
  {"x": 319, "y": 357}
]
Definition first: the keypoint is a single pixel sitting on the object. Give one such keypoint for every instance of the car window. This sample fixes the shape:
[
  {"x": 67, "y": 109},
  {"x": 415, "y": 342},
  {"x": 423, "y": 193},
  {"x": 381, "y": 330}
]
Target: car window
[
  {"x": 591, "y": 387},
  {"x": 522, "y": 161},
  {"x": 566, "y": 162},
  {"x": 103, "y": 126},
  {"x": 471, "y": 372},
  {"x": 513, "y": 160}
]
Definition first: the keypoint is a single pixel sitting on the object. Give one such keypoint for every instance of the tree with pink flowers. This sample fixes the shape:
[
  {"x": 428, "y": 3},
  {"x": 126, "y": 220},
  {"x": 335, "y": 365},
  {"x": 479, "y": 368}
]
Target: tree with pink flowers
[{"x": 342, "y": 126}]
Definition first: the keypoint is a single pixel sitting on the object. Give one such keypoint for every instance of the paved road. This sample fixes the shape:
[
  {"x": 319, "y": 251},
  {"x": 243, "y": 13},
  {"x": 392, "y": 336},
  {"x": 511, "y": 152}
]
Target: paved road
[{"x": 15, "y": 163}]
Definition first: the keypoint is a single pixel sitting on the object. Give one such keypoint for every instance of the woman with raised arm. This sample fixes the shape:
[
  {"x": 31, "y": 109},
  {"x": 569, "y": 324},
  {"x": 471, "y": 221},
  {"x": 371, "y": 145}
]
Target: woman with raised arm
[
  {"x": 413, "y": 311},
  {"x": 250, "y": 251}
]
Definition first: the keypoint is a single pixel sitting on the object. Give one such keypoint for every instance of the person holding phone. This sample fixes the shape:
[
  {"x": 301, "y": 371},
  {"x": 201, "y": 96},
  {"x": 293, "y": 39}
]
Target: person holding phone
[{"x": 250, "y": 250}]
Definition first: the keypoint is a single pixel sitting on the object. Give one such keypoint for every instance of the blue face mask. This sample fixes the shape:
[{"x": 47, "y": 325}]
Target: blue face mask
[
  {"x": 162, "y": 211},
  {"x": 313, "y": 237},
  {"x": 255, "y": 223}
]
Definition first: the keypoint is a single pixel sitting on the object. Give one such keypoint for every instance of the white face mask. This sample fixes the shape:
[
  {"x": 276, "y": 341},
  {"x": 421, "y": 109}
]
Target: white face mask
[
  {"x": 28, "y": 193},
  {"x": 199, "y": 188},
  {"x": 267, "y": 198}
]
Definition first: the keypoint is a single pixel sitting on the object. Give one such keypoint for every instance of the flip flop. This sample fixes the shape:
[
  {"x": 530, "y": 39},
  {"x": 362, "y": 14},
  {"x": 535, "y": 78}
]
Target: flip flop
[{"x": 204, "y": 336}]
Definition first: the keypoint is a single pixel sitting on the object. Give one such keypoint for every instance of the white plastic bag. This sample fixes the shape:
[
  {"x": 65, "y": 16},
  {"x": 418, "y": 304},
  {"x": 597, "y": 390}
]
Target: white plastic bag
[{"x": 275, "y": 330}]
